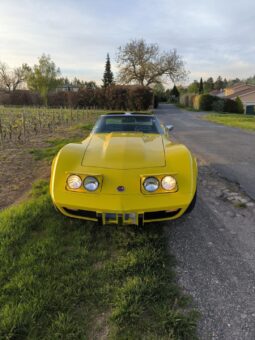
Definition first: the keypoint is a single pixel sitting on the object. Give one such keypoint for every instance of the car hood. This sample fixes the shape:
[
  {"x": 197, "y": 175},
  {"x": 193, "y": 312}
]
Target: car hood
[{"x": 124, "y": 151}]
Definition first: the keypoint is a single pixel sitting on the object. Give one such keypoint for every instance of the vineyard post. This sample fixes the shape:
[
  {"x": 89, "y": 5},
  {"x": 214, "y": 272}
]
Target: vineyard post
[
  {"x": 71, "y": 116},
  {"x": 39, "y": 120},
  {"x": 1, "y": 134},
  {"x": 24, "y": 124}
]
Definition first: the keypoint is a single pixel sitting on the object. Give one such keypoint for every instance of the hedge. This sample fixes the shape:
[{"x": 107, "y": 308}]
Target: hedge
[
  {"x": 20, "y": 97},
  {"x": 115, "y": 97},
  {"x": 206, "y": 102},
  {"x": 187, "y": 100}
]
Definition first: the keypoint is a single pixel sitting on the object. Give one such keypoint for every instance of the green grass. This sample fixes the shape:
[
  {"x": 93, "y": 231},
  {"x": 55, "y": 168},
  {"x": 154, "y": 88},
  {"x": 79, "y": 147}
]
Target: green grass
[
  {"x": 68, "y": 279},
  {"x": 245, "y": 122},
  {"x": 54, "y": 145}
]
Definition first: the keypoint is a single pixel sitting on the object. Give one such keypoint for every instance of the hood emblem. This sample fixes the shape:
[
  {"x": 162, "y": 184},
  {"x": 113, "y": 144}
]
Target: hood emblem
[{"x": 121, "y": 188}]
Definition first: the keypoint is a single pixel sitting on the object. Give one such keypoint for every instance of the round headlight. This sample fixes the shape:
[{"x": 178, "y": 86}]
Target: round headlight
[
  {"x": 91, "y": 183},
  {"x": 168, "y": 183},
  {"x": 74, "y": 182},
  {"x": 151, "y": 184}
]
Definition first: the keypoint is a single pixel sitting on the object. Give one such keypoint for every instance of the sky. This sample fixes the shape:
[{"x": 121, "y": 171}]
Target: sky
[{"x": 214, "y": 37}]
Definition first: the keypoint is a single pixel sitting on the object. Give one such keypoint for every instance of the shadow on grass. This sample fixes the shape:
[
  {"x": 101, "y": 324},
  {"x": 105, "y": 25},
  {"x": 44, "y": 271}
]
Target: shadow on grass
[{"x": 59, "y": 276}]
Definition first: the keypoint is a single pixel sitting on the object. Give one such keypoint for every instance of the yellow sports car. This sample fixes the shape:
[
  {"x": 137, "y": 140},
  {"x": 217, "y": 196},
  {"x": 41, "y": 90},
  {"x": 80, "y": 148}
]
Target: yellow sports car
[{"x": 127, "y": 171}]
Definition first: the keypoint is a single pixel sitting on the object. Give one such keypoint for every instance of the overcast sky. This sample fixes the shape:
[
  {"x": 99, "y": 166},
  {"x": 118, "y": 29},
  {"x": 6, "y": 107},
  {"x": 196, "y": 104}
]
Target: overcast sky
[{"x": 214, "y": 37}]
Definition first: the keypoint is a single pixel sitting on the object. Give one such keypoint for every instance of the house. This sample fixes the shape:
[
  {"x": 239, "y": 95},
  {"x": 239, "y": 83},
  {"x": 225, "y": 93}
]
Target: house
[
  {"x": 217, "y": 93},
  {"x": 67, "y": 88},
  {"x": 246, "y": 93}
]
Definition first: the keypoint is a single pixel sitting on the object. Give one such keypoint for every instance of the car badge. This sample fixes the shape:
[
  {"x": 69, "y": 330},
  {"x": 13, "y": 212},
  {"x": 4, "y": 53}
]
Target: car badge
[{"x": 121, "y": 188}]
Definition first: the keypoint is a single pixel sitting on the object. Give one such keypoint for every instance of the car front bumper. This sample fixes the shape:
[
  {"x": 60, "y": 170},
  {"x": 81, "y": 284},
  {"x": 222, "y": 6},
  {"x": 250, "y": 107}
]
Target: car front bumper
[{"x": 123, "y": 209}]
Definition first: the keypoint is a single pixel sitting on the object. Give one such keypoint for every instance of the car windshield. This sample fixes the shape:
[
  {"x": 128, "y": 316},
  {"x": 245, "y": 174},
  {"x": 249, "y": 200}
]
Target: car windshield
[{"x": 126, "y": 123}]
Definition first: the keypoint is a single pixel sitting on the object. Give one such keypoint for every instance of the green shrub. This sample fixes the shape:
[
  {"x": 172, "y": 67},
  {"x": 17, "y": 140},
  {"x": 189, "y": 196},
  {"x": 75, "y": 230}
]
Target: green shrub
[
  {"x": 218, "y": 105},
  {"x": 115, "y": 97},
  {"x": 206, "y": 101},
  {"x": 239, "y": 103},
  {"x": 230, "y": 106},
  {"x": 187, "y": 100}
]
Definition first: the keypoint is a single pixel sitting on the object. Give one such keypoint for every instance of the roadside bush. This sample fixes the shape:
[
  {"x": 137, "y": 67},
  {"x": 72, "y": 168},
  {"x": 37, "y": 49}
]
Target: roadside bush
[
  {"x": 4, "y": 98},
  {"x": 187, "y": 100},
  {"x": 227, "y": 105},
  {"x": 239, "y": 103},
  {"x": 218, "y": 105},
  {"x": 116, "y": 97},
  {"x": 205, "y": 102},
  {"x": 230, "y": 106},
  {"x": 20, "y": 97}
]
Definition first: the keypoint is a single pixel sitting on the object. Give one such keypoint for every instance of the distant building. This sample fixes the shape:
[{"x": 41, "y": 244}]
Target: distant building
[
  {"x": 67, "y": 88},
  {"x": 217, "y": 93},
  {"x": 246, "y": 93}
]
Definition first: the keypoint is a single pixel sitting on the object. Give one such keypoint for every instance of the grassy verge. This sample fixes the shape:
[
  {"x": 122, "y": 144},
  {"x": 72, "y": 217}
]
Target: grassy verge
[
  {"x": 77, "y": 132},
  {"x": 245, "y": 122},
  {"x": 69, "y": 279}
]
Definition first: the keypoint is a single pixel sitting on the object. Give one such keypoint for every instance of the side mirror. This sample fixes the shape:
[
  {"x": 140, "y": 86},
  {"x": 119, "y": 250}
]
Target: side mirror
[{"x": 169, "y": 127}]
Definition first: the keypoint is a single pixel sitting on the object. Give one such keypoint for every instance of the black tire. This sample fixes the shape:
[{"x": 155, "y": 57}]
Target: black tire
[{"x": 192, "y": 204}]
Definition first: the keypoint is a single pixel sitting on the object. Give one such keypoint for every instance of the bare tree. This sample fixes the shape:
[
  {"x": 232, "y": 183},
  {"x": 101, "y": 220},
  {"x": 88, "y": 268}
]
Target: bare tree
[
  {"x": 11, "y": 79},
  {"x": 144, "y": 64}
]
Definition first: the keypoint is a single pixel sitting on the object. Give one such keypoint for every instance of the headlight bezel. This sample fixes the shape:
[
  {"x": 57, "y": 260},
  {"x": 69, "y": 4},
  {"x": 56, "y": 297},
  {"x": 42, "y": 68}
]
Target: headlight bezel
[
  {"x": 82, "y": 188},
  {"x": 161, "y": 189}
]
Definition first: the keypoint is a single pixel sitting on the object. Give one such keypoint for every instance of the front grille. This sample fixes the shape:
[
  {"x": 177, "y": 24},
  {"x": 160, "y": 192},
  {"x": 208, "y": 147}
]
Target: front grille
[
  {"x": 82, "y": 213},
  {"x": 155, "y": 215}
]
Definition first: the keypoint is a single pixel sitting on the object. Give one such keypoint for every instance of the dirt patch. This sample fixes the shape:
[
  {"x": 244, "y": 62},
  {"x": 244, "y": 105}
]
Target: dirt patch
[{"x": 19, "y": 169}]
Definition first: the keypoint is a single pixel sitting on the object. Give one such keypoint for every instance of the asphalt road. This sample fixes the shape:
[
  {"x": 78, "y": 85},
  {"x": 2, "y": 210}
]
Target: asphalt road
[
  {"x": 215, "y": 245},
  {"x": 229, "y": 150}
]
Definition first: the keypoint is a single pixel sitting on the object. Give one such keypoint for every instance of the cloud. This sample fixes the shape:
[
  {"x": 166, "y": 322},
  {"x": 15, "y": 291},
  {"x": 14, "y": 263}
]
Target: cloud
[{"x": 214, "y": 37}]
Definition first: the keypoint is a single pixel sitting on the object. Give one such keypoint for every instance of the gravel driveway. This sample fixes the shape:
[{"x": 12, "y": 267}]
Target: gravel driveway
[
  {"x": 215, "y": 245},
  {"x": 229, "y": 150}
]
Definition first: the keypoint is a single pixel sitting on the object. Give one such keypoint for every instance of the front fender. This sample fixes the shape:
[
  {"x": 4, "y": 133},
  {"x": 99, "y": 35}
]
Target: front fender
[
  {"x": 180, "y": 161},
  {"x": 68, "y": 159}
]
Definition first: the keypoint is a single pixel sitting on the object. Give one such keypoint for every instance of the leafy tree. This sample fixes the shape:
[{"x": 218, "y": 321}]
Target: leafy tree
[
  {"x": 159, "y": 93},
  {"x": 208, "y": 85},
  {"x": 182, "y": 90},
  {"x": 43, "y": 77},
  {"x": 108, "y": 75},
  {"x": 194, "y": 87},
  {"x": 11, "y": 79},
  {"x": 174, "y": 92},
  {"x": 201, "y": 86},
  {"x": 219, "y": 84},
  {"x": 144, "y": 64},
  {"x": 225, "y": 83},
  {"x": 251, "y": 80},
  {"x": 232, "y": 82},
  {"x": 90, "y": 85}
]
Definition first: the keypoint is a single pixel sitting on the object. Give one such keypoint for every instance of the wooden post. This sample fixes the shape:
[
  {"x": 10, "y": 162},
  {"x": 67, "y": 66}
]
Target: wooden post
[
  {"x": 1, "y": 134},
  {"x": 23, "y": 125}
]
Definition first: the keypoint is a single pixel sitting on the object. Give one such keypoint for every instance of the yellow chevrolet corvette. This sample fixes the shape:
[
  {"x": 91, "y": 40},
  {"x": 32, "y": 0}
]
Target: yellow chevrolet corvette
[{"x": 128, "y": 171}]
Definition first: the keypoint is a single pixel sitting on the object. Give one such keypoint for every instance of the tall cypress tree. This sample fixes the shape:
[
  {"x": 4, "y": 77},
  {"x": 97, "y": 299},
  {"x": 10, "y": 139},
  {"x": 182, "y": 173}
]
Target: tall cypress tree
[
  {"x": 201, "y": 87},
  {"x": 108, "y": 75}
]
